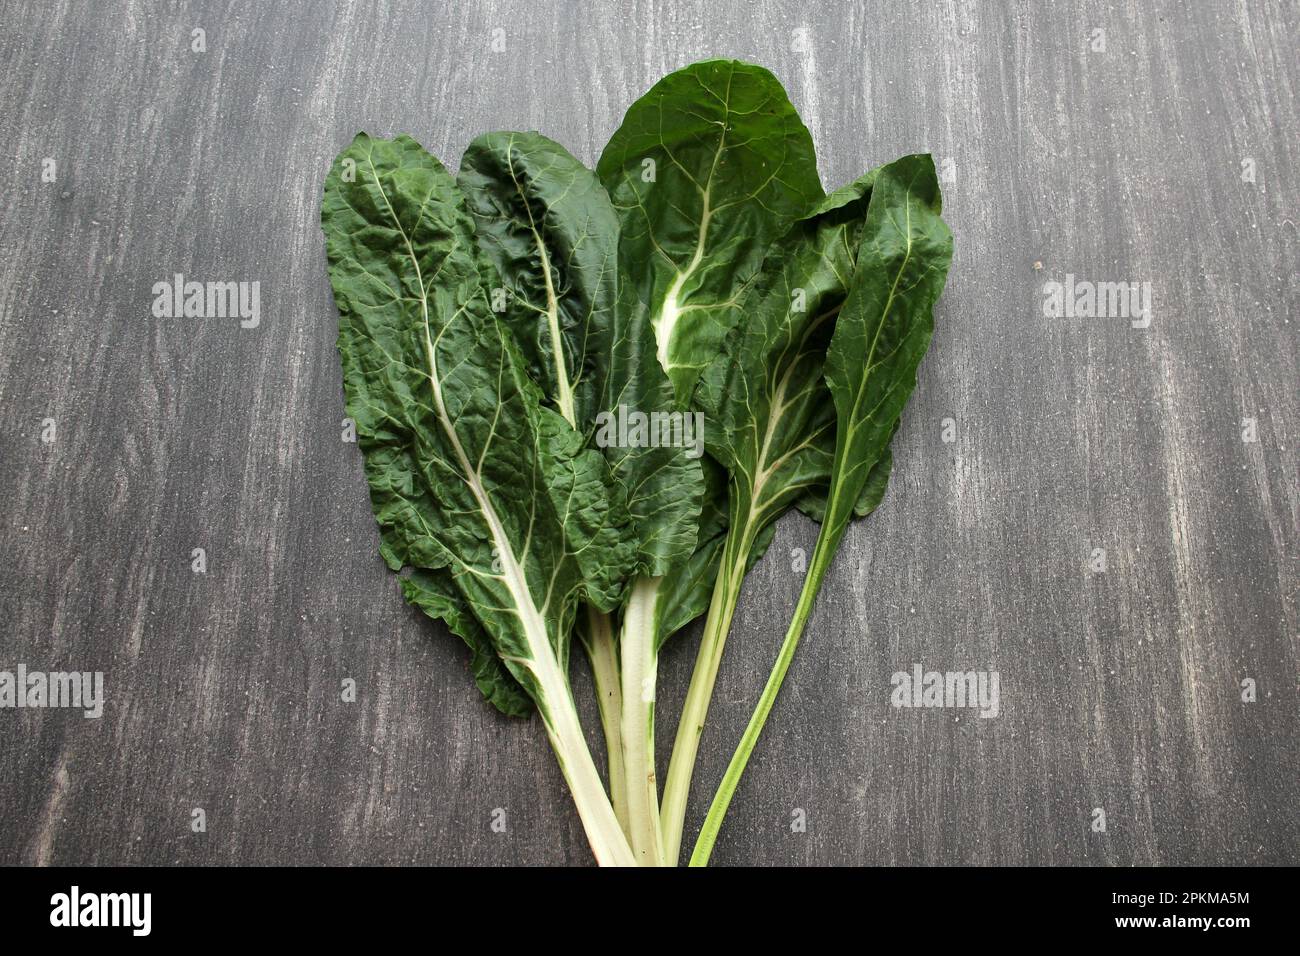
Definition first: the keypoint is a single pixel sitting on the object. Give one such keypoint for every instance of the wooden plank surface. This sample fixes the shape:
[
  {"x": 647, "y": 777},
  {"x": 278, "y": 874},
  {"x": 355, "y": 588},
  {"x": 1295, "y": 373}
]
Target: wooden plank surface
[{"x": 1120, "y": 690}]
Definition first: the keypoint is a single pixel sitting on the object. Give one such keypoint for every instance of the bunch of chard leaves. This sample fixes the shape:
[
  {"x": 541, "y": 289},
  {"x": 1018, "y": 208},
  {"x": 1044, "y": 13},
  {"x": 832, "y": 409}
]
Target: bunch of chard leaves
[{"x": 496, "y": 326}]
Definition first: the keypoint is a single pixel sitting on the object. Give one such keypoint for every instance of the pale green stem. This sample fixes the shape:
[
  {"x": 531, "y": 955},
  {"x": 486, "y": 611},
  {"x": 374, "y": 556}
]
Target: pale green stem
[
  {"x": 637, "y": 653},
  {"x": 823, "y": 553},
  {"x": 608, "y": 843},
  {"x": 603, "y": 655},
  {"x": 726, "y": 592}
]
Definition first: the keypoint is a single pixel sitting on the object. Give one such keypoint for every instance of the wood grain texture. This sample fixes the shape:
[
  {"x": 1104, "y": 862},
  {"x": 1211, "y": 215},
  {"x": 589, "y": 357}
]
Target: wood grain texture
[{"x": 1119, "y": 690}]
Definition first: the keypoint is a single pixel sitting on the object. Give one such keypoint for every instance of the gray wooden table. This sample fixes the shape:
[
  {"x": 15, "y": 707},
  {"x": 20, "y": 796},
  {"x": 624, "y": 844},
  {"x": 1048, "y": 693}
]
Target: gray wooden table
[{"x": 1161, "y": 150}]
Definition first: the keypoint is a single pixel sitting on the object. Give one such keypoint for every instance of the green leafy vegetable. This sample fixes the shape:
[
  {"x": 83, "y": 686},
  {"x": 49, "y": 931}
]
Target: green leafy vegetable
[
  {"x": 548, "y": 226},
  {"x": 774, "y": 427},
  {"x": 496, "y": 326},
  {"x": 881, "y": 335},
  {"x": 468, "y": 473},
  {"x": 706, "y": 169}
]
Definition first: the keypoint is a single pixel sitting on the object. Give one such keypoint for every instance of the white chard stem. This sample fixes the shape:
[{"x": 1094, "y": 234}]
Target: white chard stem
[
  {"x": 640, "y": 627},
  {"x": 604, "y": 832},
  {"x": 606, "y": 678}
]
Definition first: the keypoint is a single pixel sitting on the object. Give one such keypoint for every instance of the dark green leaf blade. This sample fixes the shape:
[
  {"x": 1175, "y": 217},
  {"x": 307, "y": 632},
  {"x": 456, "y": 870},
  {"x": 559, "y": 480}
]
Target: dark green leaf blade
[
  {"x": 885, "y": 327},
  {"x": 433, "y": 592},
  {"x": 591, "y": 508},
  {"x": 455, "y": 442},
  {"x": 546, "y": 224},
  {"x": 707, "y": 168}
]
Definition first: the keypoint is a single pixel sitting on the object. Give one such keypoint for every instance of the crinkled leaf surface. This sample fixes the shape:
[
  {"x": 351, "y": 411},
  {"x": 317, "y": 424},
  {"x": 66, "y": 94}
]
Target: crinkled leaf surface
[
  {"x": 664, "y": 486},
  {"x": 707, "y": 168},
  {"x": 547, "y": 225},
  {"x": 470, "y": 477}
]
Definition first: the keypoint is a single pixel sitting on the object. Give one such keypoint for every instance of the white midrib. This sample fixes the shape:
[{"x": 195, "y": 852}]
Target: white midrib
[
  {"x": 671, "y": 311},
  {"x": 565, "y": 397},
  {"x": 665, "y": 325},
  {"x": 561, "y": 725},
  {"x": 511, "y": 572},
  {"x": 639, "y": 670},
  {"x": 606, "y": 836}
]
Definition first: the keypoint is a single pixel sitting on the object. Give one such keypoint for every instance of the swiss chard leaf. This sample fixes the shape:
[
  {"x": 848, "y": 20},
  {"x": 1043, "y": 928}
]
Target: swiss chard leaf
[
  {"x": 549, "y": 228},
  {"x": 547, "y": 225},
  {"x": 468, "y": 473},
  {"x": 884, "y": 329},
  {"x": 774, "y": 423},
  {"x": 707, "y": 168},
  {"x": 453, "y": 438},
  {"x": 881, "y": 335}
]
